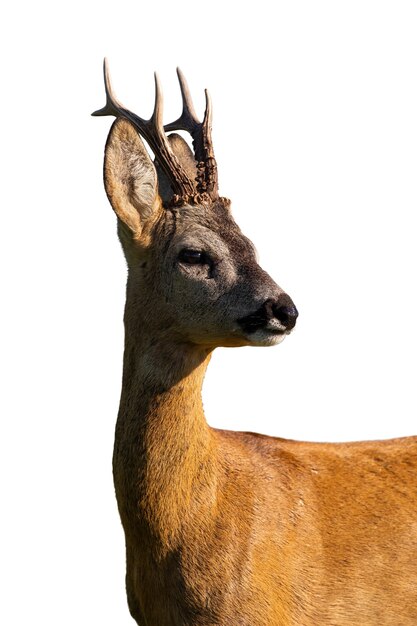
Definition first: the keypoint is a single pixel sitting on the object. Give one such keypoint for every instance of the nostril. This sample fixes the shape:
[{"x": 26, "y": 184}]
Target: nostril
[{"x": 287, "y": 315}]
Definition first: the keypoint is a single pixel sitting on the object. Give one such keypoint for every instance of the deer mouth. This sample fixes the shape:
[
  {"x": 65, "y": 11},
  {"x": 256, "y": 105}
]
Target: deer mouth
[
  {"x": 263, "y": 330},
  {"x": 274, "y": 332},
  {"x": 275, "y": 328}
]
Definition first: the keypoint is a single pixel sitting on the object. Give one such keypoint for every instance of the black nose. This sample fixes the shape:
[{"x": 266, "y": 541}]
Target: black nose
[{"x": 286, "y": 314}]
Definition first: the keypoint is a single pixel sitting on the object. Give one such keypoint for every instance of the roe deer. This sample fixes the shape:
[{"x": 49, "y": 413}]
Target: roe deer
[{"x": 232, "y": 528}]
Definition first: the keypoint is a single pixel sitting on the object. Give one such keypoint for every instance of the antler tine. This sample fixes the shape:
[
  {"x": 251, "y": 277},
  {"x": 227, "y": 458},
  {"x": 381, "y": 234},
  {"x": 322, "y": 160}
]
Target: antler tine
[
  {"x": 208, "y": 113},
  {"x": 188, "y": 119},
  {"x": 112, "y": 106},
  {"x": 186, "y": 97},
  {"x": 158, "y": 111}
]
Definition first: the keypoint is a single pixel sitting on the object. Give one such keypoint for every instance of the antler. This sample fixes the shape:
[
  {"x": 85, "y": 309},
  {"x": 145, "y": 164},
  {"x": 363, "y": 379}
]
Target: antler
[
  {"x": 207, "y": 180},
  {"x": 153, "y": 131}
]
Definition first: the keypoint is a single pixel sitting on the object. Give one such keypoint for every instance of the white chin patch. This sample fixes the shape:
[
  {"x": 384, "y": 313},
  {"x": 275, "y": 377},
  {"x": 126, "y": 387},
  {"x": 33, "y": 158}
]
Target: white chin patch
[{"x": 265, "y": 338}]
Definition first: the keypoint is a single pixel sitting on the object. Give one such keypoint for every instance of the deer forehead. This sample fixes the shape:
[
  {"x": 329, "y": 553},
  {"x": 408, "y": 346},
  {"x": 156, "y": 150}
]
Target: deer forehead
[{"x": 213, "y": 230}]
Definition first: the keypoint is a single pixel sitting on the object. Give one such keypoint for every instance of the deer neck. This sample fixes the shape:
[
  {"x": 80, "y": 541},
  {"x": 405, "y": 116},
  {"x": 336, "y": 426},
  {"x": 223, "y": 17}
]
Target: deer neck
[
  {"x": 162, "y": 383},
  {"x": 163, "y": 449}
]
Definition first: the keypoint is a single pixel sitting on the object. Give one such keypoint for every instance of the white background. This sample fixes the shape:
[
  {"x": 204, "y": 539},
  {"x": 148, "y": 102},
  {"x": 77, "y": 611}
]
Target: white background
[{"x": 316, "y": 140}]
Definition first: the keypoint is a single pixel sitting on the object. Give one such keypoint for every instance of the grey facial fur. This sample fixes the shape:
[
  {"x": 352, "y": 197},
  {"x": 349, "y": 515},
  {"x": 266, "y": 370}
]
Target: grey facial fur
[{"x": 204, "y": 302}]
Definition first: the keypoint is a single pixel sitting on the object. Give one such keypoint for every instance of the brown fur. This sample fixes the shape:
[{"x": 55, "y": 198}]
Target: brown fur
[{"x": 228, "y": 528}]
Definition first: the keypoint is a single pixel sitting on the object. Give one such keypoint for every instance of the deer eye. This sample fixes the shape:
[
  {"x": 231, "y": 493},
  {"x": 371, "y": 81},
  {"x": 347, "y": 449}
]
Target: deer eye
[{"x": 193, "y": 257}]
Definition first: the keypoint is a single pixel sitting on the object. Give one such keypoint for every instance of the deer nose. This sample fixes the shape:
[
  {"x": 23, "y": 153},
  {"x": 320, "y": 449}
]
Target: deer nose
[{"x": 285, "y": 313}]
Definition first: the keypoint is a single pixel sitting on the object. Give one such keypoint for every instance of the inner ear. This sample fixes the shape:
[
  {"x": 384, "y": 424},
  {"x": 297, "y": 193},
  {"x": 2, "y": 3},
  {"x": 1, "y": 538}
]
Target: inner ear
[
  {"x": 130, "y": 177},
  {"x": 185, "y": 156}
]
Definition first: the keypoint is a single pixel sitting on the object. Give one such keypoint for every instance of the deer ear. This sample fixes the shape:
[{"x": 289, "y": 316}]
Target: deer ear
[{"x": 130, "y": 178}]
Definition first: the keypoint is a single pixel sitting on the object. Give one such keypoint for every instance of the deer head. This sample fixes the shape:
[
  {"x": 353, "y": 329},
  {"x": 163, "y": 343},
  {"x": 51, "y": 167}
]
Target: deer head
[{"x": 193, "y": 275}]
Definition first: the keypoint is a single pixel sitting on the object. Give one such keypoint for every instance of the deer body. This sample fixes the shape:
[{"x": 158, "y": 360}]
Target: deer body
[
  {"x": 227, "y": 528},
  {"x": 239, "y": 528}
]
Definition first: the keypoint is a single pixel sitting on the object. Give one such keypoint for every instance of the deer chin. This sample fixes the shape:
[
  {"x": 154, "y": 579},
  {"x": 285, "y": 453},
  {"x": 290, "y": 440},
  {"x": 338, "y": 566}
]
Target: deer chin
[{"x": 267, "y": 337}]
